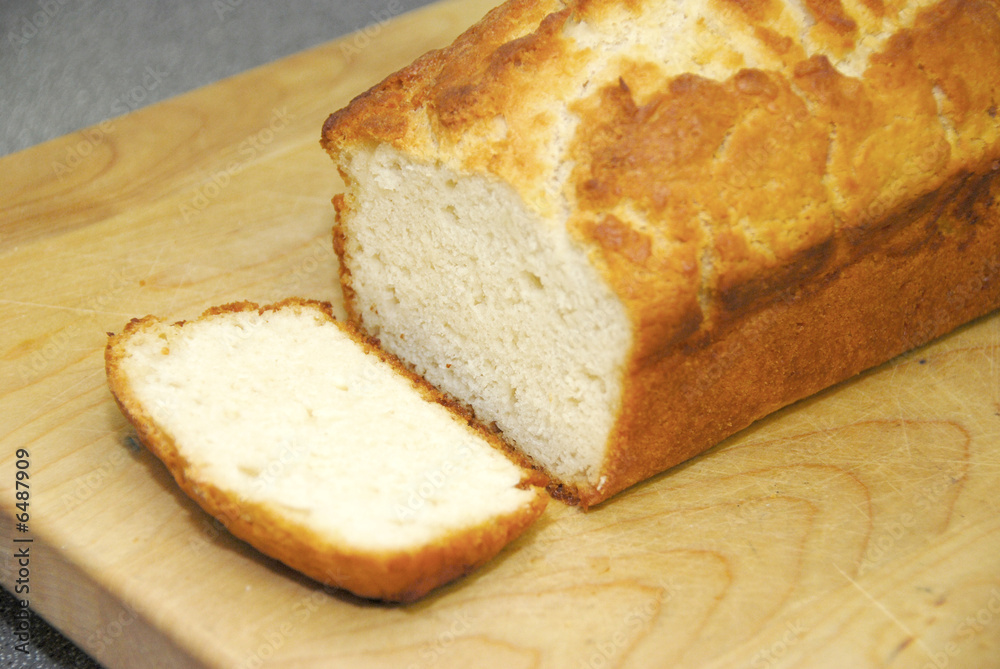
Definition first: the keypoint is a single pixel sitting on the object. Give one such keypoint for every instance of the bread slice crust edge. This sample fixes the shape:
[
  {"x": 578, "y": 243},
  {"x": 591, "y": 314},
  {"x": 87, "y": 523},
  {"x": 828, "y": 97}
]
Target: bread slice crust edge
[{"x": 392, "y": 576}]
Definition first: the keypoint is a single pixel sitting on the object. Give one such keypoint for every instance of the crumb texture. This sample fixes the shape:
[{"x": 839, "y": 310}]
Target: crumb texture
[
  {"x": 491, "y": 305},
  {"x": 296, "y": 432}
]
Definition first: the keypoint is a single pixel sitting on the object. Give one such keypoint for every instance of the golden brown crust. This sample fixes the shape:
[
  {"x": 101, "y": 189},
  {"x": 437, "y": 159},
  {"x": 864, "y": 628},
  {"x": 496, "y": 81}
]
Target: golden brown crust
[
  {"x": 729, "y": 201},
  {"x": 930, "y": 269},
  {"x": 401, "y": 576}
]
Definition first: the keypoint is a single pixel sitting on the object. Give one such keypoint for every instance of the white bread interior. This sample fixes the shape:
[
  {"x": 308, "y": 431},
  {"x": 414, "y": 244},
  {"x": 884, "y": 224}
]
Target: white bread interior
[
  {"x": 281, "y": 417},
  {"x": 491, "y": 304}
]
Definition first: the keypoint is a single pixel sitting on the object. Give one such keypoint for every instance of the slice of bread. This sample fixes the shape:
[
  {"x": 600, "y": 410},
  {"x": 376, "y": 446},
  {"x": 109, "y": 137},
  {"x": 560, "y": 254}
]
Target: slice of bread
[{"x": 319, "y": 449}]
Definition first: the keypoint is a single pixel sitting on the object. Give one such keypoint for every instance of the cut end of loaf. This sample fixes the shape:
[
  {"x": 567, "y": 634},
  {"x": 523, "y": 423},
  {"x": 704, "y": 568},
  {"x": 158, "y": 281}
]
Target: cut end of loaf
[
  {"x": 490, "y": 303},
  {"x": 319, "y": 449}
]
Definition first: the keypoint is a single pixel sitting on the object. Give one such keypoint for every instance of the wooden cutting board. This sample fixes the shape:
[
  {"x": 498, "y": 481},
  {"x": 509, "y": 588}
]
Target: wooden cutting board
[{"x": 859, "y": 528}]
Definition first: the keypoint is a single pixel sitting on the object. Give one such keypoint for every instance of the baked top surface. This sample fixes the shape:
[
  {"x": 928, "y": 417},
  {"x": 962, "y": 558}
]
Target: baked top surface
[{"x": 710, "y": 152}]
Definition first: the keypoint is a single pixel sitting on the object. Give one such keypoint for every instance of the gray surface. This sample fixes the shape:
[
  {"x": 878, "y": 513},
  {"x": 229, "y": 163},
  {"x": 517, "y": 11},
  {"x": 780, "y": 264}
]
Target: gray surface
[{"x": 69, "y": 64}]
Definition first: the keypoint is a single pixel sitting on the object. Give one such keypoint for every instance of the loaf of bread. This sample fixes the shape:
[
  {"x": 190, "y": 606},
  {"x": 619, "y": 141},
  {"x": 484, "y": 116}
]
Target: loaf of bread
[
  {"x": 319, "y": 449},
  {"x": 621, "y": 231}
]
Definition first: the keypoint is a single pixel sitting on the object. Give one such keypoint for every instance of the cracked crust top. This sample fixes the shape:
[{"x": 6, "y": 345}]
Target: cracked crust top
[{"x": 711, "y": 153}]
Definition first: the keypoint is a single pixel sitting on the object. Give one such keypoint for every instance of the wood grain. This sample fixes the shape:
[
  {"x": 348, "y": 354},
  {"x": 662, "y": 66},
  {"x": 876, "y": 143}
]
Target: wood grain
[{"x": 857, "y": 528}]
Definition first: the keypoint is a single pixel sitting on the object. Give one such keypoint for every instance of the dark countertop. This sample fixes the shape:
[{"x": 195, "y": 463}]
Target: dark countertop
[{"x": 66, "y": 65}]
